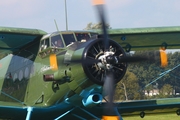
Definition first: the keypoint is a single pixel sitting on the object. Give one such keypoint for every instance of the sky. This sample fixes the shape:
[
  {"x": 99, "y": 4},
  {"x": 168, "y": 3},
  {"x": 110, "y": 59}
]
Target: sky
[{"x": 40, "y": 14}]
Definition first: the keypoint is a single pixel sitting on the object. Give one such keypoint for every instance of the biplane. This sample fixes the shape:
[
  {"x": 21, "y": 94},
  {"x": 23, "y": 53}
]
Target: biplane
[{"x": 67, "y": 74}]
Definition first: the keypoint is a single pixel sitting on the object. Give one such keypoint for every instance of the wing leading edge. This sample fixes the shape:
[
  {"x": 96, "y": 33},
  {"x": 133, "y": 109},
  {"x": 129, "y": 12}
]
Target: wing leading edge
[
  {"x": 12, "y": 39},
  {"x": 146, "y": 38}
]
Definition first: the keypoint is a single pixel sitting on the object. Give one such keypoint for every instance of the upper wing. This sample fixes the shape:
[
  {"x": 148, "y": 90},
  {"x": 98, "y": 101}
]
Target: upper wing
[
  {"x": 12, "y": 39},
  {"x": 146, "y": 38}
]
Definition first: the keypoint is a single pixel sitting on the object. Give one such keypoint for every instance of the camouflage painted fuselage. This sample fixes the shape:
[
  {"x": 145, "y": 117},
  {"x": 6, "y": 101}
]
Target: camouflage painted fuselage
[{"x": 22, "y": 75}]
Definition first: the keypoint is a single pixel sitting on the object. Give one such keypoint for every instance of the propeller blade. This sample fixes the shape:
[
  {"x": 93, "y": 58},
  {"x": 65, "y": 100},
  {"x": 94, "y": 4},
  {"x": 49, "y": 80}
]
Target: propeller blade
[
  {"x": 99, "y": 4},
  {"x": 87, "y": 61},
  {"x": 133, "y": 59},
  {"x": 109, "y": 86},
  {"x": 150, "y": 56},
  {"x": 163, "y": 57},
  {"x": 109, "y": 90}
]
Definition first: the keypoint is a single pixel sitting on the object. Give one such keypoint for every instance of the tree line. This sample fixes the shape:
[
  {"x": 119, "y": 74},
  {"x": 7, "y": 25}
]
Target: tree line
[
  {"x": 93, "y": 26},
  {"x": 145, "y": 77}
]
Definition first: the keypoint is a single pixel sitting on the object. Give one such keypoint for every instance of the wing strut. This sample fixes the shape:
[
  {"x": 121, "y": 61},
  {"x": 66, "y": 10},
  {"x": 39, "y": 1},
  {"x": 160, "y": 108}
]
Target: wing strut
[
  {"x": 64, "y": 114},
  {"x": 29, "y": 111}
]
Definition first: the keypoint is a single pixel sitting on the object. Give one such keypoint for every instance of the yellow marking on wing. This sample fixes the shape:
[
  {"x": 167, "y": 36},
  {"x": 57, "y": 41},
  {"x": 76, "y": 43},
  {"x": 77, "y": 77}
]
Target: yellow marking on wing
[
  {"x": 163, "y": 57},
  {"x": 98, "y": 2},
  {"x": 53, "y": 62},
  {"x": 110, "y": 118}
]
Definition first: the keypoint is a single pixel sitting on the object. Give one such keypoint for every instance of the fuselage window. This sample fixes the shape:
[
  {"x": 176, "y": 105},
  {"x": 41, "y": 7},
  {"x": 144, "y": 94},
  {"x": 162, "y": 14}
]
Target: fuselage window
[
  {"x": 56, "y": 41},
  {"x": 82, "y": 36},
  {"x": 68, "y": 38}
]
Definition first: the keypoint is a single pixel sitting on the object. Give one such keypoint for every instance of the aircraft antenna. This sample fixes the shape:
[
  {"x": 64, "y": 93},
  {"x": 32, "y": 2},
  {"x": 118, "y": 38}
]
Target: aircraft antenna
[
  {"x": 66, "y": 15},
  {"x": 56, "y": 25},
  {"x": 59, "y": 31}
]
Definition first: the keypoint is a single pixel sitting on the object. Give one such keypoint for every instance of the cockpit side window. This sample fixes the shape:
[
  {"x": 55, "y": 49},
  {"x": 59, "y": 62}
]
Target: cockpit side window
[
  {"x": 56, "y": 41},
  {"x": 82, "y": 36},
  {"x": 44, "y": 44},
  {"x": 94, "y": 34},
  {"x": 68, "y": 38},
  {"x": 47, "y": 43}
]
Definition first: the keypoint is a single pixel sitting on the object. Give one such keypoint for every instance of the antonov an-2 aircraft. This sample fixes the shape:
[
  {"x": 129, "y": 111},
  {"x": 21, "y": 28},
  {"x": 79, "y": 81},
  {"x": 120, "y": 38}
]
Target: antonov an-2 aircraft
[{"x": 67, "y": 74}]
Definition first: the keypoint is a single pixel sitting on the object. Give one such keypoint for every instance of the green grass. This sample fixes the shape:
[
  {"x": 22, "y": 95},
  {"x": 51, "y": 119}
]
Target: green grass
[{"x": 155, "y": 117}]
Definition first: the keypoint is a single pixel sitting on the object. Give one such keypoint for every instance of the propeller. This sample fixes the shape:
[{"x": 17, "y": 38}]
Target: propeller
[
  {"x": 105, "y": 61},
  {"x": 108, "y": 87},
  {"x": 110, "y": 111}
]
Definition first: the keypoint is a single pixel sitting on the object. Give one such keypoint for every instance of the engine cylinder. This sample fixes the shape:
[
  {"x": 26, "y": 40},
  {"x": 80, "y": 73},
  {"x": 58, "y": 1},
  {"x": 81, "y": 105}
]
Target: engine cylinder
[{"x": 97, "y": 71}]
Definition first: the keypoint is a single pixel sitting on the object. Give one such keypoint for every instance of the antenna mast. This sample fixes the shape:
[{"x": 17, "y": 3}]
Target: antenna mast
[
  {"x": 66, "y": 15},
  {"x": 56, "y": 25}
]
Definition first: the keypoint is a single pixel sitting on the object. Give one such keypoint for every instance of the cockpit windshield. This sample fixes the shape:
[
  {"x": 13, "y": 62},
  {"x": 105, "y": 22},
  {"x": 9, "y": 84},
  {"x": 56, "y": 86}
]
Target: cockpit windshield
[
  {"x": 64, "y": 38},
  {"x": 68, "y": 38},
  {"x": 82, "y": 36},
  {"x": 56, "y": 41}
]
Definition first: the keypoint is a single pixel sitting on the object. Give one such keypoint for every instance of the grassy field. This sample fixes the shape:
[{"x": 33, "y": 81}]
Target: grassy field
[{"x": 155, "y": 117}]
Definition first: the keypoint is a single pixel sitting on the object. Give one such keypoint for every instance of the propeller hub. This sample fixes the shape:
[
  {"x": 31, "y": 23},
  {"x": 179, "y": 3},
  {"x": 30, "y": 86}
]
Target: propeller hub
[
  {"x": 112, "y": 59},
  {"x": 106, "y": 60}
]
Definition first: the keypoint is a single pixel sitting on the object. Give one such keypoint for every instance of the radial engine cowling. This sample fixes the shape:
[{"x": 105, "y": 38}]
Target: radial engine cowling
[{"x": 107, "y": 60}]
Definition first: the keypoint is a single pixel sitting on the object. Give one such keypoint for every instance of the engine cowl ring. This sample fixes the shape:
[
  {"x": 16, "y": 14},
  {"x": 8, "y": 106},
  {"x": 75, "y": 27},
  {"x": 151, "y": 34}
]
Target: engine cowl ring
[{"x": 97, "y": 71}]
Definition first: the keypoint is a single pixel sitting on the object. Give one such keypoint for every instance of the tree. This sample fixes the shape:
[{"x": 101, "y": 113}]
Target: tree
[
  {"x": 92, "y": 26},
  {"x": 152, "y": 76},
  {"x": 166, "y": 90},
  {"x": 128, "y": 88}
]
